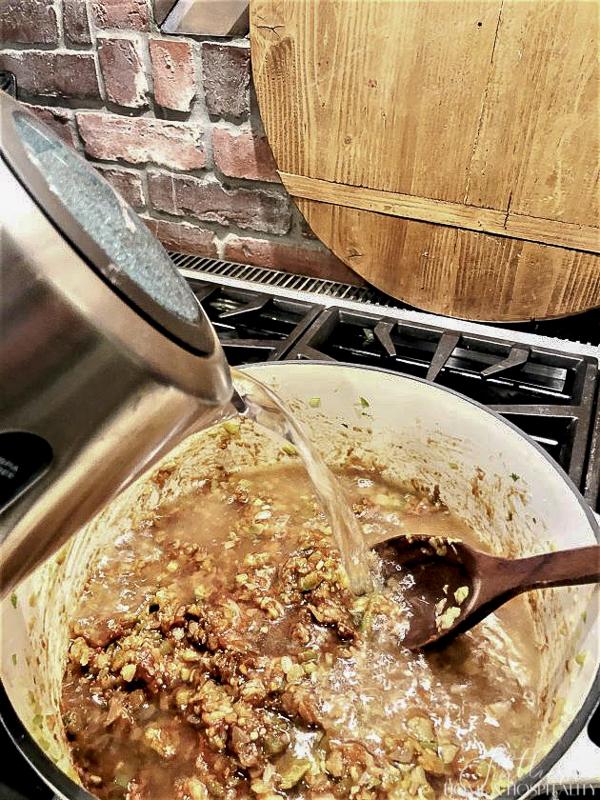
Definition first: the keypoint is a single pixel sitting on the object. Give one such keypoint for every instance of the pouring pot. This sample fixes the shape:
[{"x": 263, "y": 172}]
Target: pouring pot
[
  {"x": 487, "y": 471},
  {"x": 107, "y": 359}
]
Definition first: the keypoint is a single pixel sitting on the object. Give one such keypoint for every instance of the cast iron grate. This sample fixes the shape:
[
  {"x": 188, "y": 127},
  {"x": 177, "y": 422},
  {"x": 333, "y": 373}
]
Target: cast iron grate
[
  {"x": 253, "y": 326},
  {"x": 549, "y": 395},
  {"x": 593, "y": 475},
  {"x": 8, "y": 83}
]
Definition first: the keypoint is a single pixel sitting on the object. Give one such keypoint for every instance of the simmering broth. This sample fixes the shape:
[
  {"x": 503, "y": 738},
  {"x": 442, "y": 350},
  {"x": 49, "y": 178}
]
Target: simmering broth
[{"x": 219, "y": 652}]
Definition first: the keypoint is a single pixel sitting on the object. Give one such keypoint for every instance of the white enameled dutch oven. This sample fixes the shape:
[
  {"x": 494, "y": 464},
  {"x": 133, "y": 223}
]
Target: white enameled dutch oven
[{"x": 523, "y": 505}]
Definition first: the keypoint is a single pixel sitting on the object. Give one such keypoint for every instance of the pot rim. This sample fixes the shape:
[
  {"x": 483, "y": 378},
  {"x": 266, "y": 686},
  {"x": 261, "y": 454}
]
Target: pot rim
[{"x": 59, "y": 781}]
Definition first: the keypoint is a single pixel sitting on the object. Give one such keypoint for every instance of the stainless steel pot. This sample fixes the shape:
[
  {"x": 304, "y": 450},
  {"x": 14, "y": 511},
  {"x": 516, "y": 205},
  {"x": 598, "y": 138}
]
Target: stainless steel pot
[
  {"x": 524, "y": 504},
  {"x": 106, "y": 357}
]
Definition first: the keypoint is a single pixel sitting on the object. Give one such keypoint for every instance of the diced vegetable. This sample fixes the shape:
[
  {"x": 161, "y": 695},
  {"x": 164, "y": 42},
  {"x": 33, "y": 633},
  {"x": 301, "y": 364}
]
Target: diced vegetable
[
  {"x": 580, "y": 658},
  {"x": 448, "y": 618},
  {"x": 128, "y": 672},
  {"x": 291, "y": 771},
  {"x": 461, "y": 594}
]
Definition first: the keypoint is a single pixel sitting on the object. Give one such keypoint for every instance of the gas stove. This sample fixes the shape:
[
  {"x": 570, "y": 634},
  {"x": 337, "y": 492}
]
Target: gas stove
[
  {"x": 546, "y": 385},
  {"x": 543, "y": 376}
]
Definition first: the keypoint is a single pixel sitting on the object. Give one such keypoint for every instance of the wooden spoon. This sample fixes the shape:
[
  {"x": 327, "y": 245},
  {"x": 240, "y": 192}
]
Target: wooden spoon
[{"x": 449, "y": 586}]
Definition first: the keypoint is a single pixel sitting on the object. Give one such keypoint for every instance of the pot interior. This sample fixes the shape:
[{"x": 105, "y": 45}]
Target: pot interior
[{"x": 487, "y": 473}]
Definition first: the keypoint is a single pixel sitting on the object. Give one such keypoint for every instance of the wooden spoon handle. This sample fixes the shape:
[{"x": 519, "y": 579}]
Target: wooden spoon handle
[{"x": 563, "y": 568}]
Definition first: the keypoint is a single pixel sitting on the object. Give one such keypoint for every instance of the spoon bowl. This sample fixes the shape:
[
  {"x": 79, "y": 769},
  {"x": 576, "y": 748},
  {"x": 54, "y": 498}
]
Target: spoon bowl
[{"x": 448, "y": 586}]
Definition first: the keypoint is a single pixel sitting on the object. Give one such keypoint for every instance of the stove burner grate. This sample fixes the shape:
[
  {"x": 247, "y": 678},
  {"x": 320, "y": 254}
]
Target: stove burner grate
[
  {"x": 550, "y": 395},
  {"x": 253, "y": 326}
]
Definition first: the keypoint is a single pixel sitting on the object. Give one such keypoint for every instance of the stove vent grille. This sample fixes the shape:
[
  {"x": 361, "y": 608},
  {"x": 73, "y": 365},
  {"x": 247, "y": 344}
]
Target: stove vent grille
[
  {"x": 284, "y": 280},
  {"x": 583, "y": 328}
]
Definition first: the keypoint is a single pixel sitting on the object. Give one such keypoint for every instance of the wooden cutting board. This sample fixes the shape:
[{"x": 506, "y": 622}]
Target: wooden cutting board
[{"x": 447, "y": 151}]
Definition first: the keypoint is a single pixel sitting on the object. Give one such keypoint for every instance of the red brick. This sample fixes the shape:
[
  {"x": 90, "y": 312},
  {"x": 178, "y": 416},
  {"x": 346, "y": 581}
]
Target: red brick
[
  {"x": 316, "y": 262},
  {"x": 75, "y": 21},
  {"x": 127, "y": 184},
  {"x": 226, "y": 79},
  {"x": 58, "y": 120},
  {"x": 244, "y": 155},
  {"x": 52, "y": 74},
  {"x": 183, "y": 238},
  {"x": 123, "y": 72},
  {"x": 211, "y": 202},
  {"x": 28, "y": 22},
  {"x": 139, "y": 140},
  {"x": 173, "y": 73},
  {"x": 123, "y": 14}
]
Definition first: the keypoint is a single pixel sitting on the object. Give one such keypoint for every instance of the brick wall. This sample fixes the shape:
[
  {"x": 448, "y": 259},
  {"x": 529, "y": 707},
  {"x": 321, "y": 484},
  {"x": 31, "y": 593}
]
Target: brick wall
[{"x": 172, "y": 122}]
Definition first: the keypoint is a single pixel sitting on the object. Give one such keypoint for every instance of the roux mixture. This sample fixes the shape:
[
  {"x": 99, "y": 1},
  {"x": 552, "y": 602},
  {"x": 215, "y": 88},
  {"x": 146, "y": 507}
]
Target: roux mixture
[{"x": 219, "y": 653}]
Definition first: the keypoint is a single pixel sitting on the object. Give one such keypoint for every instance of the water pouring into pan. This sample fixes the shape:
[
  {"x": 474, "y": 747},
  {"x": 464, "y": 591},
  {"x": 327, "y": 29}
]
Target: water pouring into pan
[{"x": 108, "y": 359}]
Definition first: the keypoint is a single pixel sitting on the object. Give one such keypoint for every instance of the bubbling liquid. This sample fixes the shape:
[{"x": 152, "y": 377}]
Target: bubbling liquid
[
  {"x": 217, "y": 653},
  {"x": 243, "y": 644}
]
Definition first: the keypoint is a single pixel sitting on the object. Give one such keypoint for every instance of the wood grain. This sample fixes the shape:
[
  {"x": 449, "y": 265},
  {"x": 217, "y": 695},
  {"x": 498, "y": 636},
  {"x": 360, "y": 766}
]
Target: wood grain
[
  {"x": 362, "y": 77},
  {"x": 532, "y": 276},
  {"x": 538, "y": 143},
  {"x": 480, "y": 117},
  {"x": 457, "y": 215}
]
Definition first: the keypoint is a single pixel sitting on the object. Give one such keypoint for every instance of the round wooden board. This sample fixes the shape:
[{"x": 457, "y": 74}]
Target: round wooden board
[{"x": 447, "y": 152}]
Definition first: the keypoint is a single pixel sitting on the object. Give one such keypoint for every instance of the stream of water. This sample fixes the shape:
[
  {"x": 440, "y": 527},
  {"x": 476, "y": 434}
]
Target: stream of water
[{"x": 265, "y": 408}]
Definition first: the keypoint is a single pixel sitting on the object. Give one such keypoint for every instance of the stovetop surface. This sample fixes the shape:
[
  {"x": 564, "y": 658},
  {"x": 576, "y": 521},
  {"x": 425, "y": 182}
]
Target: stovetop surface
[{"x": 552, "y": 396}]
